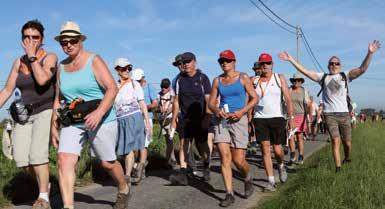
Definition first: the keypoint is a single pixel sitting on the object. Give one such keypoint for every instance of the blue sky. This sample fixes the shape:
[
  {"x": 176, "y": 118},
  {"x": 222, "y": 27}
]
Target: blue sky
[{"x": 151, "y": 33}]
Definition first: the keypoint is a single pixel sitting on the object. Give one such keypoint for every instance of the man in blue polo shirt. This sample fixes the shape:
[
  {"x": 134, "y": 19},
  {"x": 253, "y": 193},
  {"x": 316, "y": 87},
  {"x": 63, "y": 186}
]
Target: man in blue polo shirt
[{"x": 192, "y": 90}]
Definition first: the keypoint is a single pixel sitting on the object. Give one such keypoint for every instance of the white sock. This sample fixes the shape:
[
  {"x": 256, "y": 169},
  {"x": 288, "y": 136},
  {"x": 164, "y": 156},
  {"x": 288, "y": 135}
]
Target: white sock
[
  {"x": 44, "y": 196},
  {"x": 271, "y": 179}
]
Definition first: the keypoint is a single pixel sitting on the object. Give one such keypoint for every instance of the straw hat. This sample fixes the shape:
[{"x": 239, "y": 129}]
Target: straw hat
[
  {"x": 297, "y": 76},
  {"x": 70, "y": 29}
]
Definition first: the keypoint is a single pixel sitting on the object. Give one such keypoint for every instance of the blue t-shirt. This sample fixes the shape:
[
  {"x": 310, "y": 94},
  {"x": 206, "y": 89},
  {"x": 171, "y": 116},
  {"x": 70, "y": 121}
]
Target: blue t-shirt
[{"x": 149, "y": 95}]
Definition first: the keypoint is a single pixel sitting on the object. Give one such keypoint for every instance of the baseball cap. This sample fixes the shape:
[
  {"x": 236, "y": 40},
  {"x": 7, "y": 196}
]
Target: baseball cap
[
  {"x": 137, "y": 74},
  {"x": 256, "y": 65},
  {"x": 227, "y": 54},
  {"x": 188, "y": 56},
  {"x": 265, "y": 57},
  {"x": 122, "y": 62},
  {"x": 178, "y": 59}
]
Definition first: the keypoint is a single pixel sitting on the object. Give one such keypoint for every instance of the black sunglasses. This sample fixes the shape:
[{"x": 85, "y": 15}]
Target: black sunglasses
[
  {"x": 221, "y": 61},
  {"x": 123, "y": 69},
  {"x": 34, "y": 37},
  {"x": 335, "y": 63},
  {"x": 71, "y": 41},
  {"x": 297, "y": 80},
  {"x": 185, "y": 61},
  {"x": 263, "y": 63}
]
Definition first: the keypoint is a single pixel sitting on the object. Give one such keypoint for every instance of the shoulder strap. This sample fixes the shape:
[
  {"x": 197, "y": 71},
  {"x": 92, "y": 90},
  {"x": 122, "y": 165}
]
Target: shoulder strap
[
  {"x": 345, "y": 78},
  {"x": 322, "y": 82},
  {"x": 278, "y": 81}
]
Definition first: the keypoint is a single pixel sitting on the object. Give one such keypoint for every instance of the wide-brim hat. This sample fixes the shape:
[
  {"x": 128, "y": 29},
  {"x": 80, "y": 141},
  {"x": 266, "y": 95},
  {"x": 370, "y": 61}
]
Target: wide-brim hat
[
  {"x": 70, "y": 29},
  {"x": 297, "y": 76}
]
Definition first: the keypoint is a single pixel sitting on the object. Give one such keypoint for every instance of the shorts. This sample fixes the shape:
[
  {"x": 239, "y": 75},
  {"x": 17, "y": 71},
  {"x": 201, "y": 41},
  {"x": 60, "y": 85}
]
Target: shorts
[
  {"x": 103, "y": 140},
  {"x": 338, "y": 125},
  {"x": 194, "y": 129},
  {"x": 31, "y": 140},
  {"x": 131, "y": 136},
  {"x": 270, "y": 129},
  {"x": 148, "y": 138},
  {"x": 233, "y": 133},
  {"x": 300, "y": 123}
]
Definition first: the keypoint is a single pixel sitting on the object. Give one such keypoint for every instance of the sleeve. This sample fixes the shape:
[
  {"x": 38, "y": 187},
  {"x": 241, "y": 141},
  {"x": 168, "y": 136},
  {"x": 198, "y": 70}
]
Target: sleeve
[
  {"x": 319, "y": 76},
  {"x": 139, "y": 91},
  {"x": 173, "y": 84},
  {"x": 206, "y": 84}
]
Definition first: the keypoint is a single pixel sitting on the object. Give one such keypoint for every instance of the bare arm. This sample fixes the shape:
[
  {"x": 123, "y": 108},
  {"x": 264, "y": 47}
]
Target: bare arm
[
  {"x": 43, "y": 74},
  {"x": 308, "y": 73},
  {"x": 10, "y": 86},
  {"x": 212, "y": 103},
  {"x": 175, "y": 111},
  {"x": 55, "y": 123},
  {"x": 252, "y": 95},
  {"x": 286, "y": 95},
  {"x": 356, "y": 72}
]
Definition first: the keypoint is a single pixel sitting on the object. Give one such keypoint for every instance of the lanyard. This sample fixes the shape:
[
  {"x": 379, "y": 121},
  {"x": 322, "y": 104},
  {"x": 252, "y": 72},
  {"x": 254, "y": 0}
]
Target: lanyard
[{"x": 263, "y": 90}]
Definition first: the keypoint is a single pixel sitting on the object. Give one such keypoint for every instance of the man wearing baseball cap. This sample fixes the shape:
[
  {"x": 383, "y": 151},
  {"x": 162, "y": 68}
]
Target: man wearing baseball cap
[
  {"x": 192, "y": 90},
  {"x": 269, "y": 120}
]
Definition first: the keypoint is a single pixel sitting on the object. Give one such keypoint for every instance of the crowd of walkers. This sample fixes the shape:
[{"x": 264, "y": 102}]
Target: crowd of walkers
[{"x": 77, "y": 99}]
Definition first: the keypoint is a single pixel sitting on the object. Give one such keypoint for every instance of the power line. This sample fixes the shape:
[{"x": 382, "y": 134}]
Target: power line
[
  {"x": 270, "y": 18},
  {"x": 307, "y": 49},
  {"x": 311, "y": 51},
  {"x": 290, "y": 25}
]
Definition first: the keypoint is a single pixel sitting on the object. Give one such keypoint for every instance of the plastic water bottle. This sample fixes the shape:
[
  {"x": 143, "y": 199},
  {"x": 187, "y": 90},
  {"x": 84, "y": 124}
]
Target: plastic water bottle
[{"x": 224, "y": 122}]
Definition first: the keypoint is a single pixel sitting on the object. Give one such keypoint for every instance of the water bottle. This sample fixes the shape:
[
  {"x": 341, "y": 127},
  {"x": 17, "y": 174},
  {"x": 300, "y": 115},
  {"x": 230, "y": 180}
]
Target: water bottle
[{"x": 224, "y": 121}]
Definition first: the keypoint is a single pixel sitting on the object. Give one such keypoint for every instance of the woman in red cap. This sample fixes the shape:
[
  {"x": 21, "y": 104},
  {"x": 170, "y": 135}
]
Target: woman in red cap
[{"x": 237, "y": 97}]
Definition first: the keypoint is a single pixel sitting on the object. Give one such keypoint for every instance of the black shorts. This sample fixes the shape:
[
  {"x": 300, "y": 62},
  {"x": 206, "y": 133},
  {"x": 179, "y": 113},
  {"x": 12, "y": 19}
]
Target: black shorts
[
  {"x": 194, "y": 129},
  {"x": 270, "y": 129}
]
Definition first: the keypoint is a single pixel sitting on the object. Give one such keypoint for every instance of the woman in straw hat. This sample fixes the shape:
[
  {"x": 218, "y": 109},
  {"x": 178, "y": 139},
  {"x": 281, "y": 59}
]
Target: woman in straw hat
[
  {"x": 301, "y": 102},
  {"x": 85, "y": 75},
  {"x": 32, "y": 74}
]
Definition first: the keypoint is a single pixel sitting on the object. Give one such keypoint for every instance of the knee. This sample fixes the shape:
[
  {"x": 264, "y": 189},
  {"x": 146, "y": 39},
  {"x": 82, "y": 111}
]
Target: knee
[
  {"x": 65, "y": 162},
  {"x": 226, "y": 159},
  {"x": 239, "y": 162},
  {"x": 107, "y": 165}
]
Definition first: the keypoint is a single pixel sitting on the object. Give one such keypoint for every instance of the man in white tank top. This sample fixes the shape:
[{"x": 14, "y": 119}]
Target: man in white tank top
[
  {"x": 269, "y": 121},
  {"x": 334, "y": 96}
]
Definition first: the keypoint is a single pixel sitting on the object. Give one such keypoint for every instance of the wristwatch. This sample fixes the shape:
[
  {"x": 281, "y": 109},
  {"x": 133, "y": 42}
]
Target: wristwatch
[{"x": 32, "y": 59}]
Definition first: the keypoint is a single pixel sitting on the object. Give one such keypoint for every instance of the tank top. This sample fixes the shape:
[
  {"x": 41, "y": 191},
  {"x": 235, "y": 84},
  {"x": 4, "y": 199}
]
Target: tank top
[
  {"x": 82, "y": 83},
  {"x": 40, "y": 97},
  {"x": 234, "y": 95},
  {"x": 269, "y": 105}
]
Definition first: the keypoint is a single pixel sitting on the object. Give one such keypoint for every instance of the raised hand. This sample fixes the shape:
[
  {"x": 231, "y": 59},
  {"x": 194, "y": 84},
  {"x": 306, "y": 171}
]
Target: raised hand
[
  {"x": 284, "y": 56},
  {"x": 374, "y": 46},
  {"x": 30, "y": 46}
]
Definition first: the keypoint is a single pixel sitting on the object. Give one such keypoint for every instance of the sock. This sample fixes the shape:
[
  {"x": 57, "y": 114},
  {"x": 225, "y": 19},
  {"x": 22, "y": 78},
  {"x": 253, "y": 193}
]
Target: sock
[
  {"x": 68, "y": 206},
  {"x": 271, "y": 179},
  {"x": 126, "y": 190},
  {"x": 44, "y": 196}
]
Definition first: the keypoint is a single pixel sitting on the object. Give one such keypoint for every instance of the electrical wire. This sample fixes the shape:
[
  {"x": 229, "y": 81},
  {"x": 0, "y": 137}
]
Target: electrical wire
[
  {"x": 311, "y": 51},
  {"x": 308, "y": 51},
  {"x": 288, "y": 24}
]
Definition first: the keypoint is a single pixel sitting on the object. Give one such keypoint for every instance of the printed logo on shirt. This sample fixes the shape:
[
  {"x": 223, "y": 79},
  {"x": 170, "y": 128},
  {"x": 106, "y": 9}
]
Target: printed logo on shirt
[{"x": 333, "y": 86}]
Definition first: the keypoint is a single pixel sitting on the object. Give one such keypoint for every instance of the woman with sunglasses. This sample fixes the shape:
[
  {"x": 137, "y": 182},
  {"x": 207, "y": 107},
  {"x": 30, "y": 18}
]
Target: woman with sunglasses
[
  {"x": 131, "y": 112},
  {"x": 85, "y": 75},
  {"x": 237, "y": 97},
  {"x": 335, "y": 98},
  {"x": 301, "y": 106},
  {"x": 33, "y": 75}
]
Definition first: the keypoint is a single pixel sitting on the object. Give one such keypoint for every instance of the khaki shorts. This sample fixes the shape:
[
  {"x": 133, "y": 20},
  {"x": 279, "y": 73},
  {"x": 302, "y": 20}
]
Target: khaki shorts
[
  {"x": 339, "y": 125},
  {"x": 31, "y": 140},
  {"x": 236, "y": 133}
]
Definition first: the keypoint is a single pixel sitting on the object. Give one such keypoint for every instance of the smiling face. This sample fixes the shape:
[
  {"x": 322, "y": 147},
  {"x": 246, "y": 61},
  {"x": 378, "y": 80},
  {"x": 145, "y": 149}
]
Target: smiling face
[
  {"x": 334, "y": 65},
  {"x": 71, "y": 45},
  {"x": 124, "y": 72},
  {"x": 227, "y": 65},
  {"x": 266, "y": 67},
  {"x": 189, "y": 66}
]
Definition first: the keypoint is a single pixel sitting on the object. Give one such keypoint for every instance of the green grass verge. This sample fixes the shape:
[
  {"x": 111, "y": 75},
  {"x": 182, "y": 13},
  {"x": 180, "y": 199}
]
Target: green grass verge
[
  {"x": 360, "y": 184},
  {"x": 13, "y": 182}
]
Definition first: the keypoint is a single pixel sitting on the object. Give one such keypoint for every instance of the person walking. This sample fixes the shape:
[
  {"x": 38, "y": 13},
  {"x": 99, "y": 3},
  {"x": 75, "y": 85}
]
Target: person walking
[
  {"x": 34, "y": 75},
  {"x": 334, "y": 87},
  {"x": 231, "y": 130},
  {"x": 84, "y": 76}
]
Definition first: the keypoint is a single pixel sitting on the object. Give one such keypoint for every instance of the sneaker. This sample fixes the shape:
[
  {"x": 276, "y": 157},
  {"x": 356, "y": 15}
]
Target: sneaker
[
  {"x": 270, "y": 187},
  {"x": 338, "y": 169},
  {"x": 206, "y": 174},
  {"x": 138, "y": 173},
  {"x": 229, "y": 200},
  {"x": 282, "y": 173},
  {"x": 249, "y": 188},
  {"x": 300, "y": 160},
  {"x": 121, "y": 201},
  {"x": 41, "y": 204},
  {"x": 179, "y": 178}
]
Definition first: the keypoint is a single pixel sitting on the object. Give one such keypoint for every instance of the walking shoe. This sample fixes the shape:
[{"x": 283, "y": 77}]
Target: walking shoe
[
  {"x": 300, "y": 160},
  {"x": 41, "y": 204},
  {"x": 122, "y": 201},
  {"x": 179, "y": 178},
  {"x": 206, "y": 174},
  {"x": 338, "y": 169},
  {"x": 270, "y": 187},
  {"x": 346, "y": 161},
  {"x": 282, "y": 173},
  {"x": 138, "y": 174},
  {"x": 229, "y": 200},
  {"x": 249, "y": 188}
]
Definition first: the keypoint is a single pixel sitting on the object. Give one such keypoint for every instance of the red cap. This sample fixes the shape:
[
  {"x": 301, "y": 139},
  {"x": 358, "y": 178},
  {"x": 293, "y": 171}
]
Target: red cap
[
  {"x": 227, "y": 54},
  {"x": 265, "y": 57}
]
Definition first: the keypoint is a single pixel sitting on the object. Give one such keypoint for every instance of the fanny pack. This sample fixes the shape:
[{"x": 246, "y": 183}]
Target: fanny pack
[
  {"x": 20, "y": 112},
  {"x": 76, "y": 111}
]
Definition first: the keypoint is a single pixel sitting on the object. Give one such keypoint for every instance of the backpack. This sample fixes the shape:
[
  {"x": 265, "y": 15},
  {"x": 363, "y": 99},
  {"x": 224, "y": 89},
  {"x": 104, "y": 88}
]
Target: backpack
[{"x": 344, "y": 78}]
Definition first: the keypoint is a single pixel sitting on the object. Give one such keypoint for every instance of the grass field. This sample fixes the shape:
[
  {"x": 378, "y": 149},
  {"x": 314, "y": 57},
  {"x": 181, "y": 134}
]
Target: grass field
[
  {"x": 17, "y": 186},
  {"x": 360, "y": 185}
]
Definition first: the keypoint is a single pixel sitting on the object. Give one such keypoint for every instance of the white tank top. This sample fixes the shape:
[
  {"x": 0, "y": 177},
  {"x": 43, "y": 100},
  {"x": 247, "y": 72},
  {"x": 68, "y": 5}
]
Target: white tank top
[{"x": 269, "y": 105}]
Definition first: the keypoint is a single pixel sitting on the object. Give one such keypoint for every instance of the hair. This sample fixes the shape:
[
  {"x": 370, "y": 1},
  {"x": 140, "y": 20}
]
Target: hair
[
  {"x": 165, "y": 83},
  {"x": 35, "y": 24},
  {"x": 330, "y": 59}
]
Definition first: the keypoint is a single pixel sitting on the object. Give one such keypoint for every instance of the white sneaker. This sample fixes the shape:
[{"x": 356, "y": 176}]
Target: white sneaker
[{"x": 282, "y": 173}]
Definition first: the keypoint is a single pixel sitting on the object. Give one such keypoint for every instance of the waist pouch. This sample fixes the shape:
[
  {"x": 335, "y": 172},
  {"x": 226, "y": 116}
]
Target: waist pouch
[{"x": 75, "y": 112}]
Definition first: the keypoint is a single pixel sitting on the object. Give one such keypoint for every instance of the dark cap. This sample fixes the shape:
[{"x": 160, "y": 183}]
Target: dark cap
[
  {"x": 165, "y": 83},
  {"x": 256, "y": 65},
  {"x": 188, "y": 56},
  {"x": 178, "y": 59}
]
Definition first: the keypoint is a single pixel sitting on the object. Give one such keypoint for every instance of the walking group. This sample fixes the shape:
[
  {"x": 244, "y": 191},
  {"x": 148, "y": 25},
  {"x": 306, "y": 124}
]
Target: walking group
[{"x": 77, "y": 99}]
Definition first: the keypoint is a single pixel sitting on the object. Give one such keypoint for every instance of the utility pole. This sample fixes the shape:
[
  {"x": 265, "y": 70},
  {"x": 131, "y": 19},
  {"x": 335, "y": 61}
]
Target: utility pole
[{"x": 298, "y": 34}]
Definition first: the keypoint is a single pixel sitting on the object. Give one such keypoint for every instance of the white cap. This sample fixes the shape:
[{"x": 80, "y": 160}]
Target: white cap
[
  {"x": 137, "y": 74},
  {"x": 122, "y": 62}
]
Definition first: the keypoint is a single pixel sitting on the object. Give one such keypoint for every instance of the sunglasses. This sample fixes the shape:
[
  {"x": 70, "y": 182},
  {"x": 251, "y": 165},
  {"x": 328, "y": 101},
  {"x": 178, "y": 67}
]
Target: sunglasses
[
  {"x": 221, "y": 61},
  {"x": 35, "y": 37},
  {"x": 71, "y": 41},
  {"x": 335, "y": 63},
  {"x": 265, "y": 63},
  {"x": 185, "y": 62},
  {"x": 297, "y": 80},
  {"x": 123, "y": 69}
]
